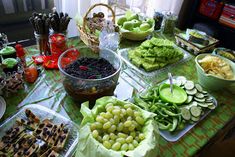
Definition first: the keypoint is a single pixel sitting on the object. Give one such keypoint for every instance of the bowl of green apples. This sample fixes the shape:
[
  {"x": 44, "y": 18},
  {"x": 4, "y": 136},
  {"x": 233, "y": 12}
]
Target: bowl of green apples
[{"x": 135, "y": 27}]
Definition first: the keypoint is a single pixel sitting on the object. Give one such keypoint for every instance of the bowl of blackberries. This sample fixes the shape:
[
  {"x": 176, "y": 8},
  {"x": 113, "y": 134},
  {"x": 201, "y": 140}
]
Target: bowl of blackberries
[{"x": 88, "y": 75}]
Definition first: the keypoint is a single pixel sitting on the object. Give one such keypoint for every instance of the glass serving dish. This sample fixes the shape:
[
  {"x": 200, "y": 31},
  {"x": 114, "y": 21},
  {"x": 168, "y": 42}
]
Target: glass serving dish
[
  {"x": 142, "y": 73},
  {"x": 43, "y": 113},
  {"x": 82, "y": 90}
]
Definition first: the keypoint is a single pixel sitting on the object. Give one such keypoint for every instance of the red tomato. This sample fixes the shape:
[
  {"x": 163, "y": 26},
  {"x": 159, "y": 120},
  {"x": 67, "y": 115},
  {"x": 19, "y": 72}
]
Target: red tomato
[{"x": 31, "y": 74}]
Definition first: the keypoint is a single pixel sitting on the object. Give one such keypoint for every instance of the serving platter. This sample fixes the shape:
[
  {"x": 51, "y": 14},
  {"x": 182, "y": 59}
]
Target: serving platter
[
  {"x": 2, "y": 106},
  {"x": 176, "y": 135},
  {"x": 124, "y": 56},
  {"x": 43, "y": 112}
]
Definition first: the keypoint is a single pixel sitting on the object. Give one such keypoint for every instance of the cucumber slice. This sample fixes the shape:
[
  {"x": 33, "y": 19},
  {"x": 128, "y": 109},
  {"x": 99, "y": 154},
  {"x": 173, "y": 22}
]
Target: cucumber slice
[
  {"x": 189, "y": 99},
  {"x": 204, "y": 92},
  {"x": 185, "y": 114},
  {"x": 189, "y": 85},
  {"x": 199, "y": 87},
  {"x": 199, "y": 95},
  {"x": 212, "y": 107},
  {"x": 195, "y": 111},
  {"x": 191, "y": 92},
  {"x": 178, "y": 83},
  {"x": 199, "y": 100},
  {"x": 203, "y": 105},
  {"x": 195, "y": 119},
  {"x": 194, "y": 103},
  {"x": 182, "y": 79}
]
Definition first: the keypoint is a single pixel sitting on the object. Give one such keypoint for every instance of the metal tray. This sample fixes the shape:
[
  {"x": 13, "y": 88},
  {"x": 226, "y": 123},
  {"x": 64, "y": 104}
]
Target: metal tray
[
  {"x": 175, "y": 136},
  {"x": 42, "y": 113},
  {"x": 124, "y": 56}
]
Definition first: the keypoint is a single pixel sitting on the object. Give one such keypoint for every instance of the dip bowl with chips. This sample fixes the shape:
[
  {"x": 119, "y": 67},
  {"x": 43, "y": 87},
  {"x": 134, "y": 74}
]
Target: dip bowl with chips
[{"x": 215, "y": 72}]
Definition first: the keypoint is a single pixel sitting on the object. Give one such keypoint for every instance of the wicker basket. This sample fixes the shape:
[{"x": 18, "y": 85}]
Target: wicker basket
[{"x": 90, "y": 39}]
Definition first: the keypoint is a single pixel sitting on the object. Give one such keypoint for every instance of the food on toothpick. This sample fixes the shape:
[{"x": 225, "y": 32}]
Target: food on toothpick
[
  {"x": 216, "y": 66},
  {"x": 8, "y": 52},
  {"x": 154, "y": 54}
]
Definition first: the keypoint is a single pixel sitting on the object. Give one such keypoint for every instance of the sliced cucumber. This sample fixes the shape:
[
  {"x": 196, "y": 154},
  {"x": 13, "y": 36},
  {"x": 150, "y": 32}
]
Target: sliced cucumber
[
  {"x": 195, "y": 111},
  {"x": 204, "y": 92},
  {"x": 189, "y": 85},
  {"x": 199, "y": 100},
  {"x": 199, "y": 95},
  {"x": 199, "y": 87},
  {"x": 189, "y": 99},
  {"x": 182, "y": 79},
  {"x": 203, "y": 105},
  {"x": 195, "y": 119},
  {"x": 178, "y": 83},
  {"x": 191, "y": 92},
  {"x": 185, "y": 114},
  {"x": 212, "y": 107},
  {"x": 194, "y": 103}
]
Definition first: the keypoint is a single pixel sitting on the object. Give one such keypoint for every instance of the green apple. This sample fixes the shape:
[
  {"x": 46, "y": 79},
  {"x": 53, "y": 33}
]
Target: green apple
[
  {"x": 144, "y": 27},
  {"x": 136, "y": 23},
  {"x": 134, "y": 16},
  {"x": 121, "y": 21},
  {"x": 128, "y": 25}
]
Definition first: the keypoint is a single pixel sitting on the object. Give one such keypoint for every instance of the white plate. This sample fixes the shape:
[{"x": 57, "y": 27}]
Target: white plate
[{"x": 2, "y": 107}]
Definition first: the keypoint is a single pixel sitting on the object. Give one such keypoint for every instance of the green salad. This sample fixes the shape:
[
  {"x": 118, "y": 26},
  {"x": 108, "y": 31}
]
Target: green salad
[{"x": 154, "y": 54}]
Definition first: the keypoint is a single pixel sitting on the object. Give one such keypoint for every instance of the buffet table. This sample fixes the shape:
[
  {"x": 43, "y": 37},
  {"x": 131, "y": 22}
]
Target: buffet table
[{"x": 48, "y": 91}]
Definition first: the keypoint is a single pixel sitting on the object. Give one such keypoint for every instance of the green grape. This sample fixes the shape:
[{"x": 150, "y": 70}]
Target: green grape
[
  {"x": 133, "y": 134},
  {"x": 116, "y": 119},
  {"x": 127, "y": 123},
  {"x": 99, "y": 119},
  {"x": 135, "y": 123},
  {"x": 102, "y": 114},
  {"x": 93, "y": 126},
  {"x": 110, "y": 109},
  {"x": 116, "y": 146},
  {"x": 123, "y": 111},
  {"x": 136, "y": 114},
  {"x": 120, "y": 126},
  {"x": 122, "y": 135},
  {"x": 121, "y": 140},
  {"x": 126, "y": 106},
  {"x": 132, "y": 127},
  {"x": 121, "y": 115},
  {"x": 129, "y": 118},
  {"x": 107, "y": 125},
  {"x": 109, "y": 105},
  {"x": 130, "y": 146},
  {"x": 108, "y": 115},
  {"x": 105, "y": 120},
  {"x": 112, "y": 129},
  {"x": 124, "y": 147},
  {"x": 117, "y": 107},
  {"x": 112, "y": 136},
  {"x": 112, "y": 121},
  {"x": 139, "y": 120},
  {"x": 99, "y": 138},
  {"x": 129, "y": 111},
  {"x": 116, "y": 111},
  {"x": 106, "y": 137},
  {"x": 141, "y": 136},
  {"x": 129, "y": 139},
  {"x": 111, "y": 142},
  {"x": 135, "y": 143},
  {"x": 137, "y": 138},
  {"x": 95, "y": 133},
  {"x": 107, "y": 144},
  {"x": 125, "y": 130},
  {"x": 98, "y": 125}
]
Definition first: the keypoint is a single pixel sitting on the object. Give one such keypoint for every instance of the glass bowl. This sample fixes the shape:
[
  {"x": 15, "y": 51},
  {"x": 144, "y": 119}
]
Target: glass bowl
[{"x": 82, "y": 90}]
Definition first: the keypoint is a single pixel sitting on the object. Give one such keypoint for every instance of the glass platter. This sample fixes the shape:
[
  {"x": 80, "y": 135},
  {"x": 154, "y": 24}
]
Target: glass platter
[
  {"x": 172, "y": 137},
  {"x": 42, "y": 113},
  {"x": 124, "y": 56}
]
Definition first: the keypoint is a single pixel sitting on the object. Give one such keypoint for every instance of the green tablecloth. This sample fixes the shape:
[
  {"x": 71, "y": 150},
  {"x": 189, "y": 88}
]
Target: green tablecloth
[{"x": 48, "y": 91}]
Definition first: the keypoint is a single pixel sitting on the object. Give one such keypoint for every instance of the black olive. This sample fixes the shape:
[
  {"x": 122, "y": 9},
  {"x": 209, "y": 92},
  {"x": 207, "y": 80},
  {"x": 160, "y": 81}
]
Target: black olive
[
  {"x": 41, "y": 125},
  {"x": 49, "y": 125},
  {"x": 38, "y": 131}
]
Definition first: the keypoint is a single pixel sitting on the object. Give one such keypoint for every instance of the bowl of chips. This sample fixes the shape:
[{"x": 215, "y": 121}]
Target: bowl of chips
[{"x": 215, "y": 72}]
